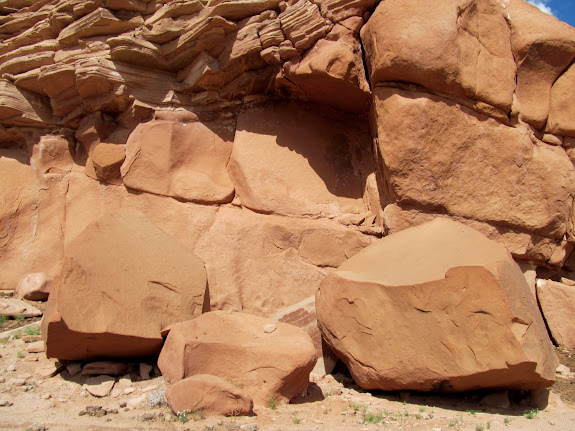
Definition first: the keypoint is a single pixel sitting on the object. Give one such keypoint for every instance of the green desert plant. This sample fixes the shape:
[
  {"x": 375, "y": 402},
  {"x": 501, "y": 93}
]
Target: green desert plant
[
  {"x": 32, "y": 330},
  {"x": 530, "y": 414},
  {"x": 272, "y": 403}
]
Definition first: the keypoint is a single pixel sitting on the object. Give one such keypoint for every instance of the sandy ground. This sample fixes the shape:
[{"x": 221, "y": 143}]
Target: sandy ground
[{"x": 35, "y": 402}]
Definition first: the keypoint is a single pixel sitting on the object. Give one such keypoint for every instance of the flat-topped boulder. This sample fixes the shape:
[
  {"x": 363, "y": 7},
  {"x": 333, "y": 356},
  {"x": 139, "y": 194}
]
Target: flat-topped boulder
[{"x": 437, "y": 307}]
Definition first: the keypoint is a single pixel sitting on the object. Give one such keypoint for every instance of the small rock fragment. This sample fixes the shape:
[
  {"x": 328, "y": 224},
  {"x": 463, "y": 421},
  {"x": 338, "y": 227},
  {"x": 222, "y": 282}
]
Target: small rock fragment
[{"x": 99, "y": 386}]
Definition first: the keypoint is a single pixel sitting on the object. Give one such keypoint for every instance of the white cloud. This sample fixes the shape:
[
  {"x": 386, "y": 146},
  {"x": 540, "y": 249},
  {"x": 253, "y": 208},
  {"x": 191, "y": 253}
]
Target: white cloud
[{"x": 541, "y": 5}]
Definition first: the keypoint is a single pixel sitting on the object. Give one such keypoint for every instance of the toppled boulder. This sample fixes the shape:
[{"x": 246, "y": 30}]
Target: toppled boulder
[
  {"x": 266, "y": 359},
  {"x": 557, "y": 301},
  {"x": 132, "y": 280},
  {"x": 34, "y": 287},
  {"x": 437, "y": 307},
  {"x": 211, "y": 395}
]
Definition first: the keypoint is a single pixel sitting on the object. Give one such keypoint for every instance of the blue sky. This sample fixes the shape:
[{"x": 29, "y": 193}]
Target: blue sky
[{"x": 562, "y": 9}]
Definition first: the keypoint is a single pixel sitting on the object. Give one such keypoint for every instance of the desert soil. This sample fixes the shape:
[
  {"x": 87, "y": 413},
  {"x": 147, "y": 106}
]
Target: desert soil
[{"x": 33, "y": 400}]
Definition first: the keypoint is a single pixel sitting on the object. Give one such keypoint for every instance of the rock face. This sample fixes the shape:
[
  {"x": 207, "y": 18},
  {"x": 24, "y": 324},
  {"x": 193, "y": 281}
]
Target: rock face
[
  {"x": 276, "y": 139},
  {"x": 210, "y": 395},
  {"x": 267, "y": 360},
  {"x": 438, "y": 307},
  {"x": 557, "y": 301},
  {"x": 118, "y": 261}
]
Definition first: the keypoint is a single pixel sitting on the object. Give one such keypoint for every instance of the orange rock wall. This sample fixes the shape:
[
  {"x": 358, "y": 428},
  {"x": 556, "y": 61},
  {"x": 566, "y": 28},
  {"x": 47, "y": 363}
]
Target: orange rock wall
[{"x": 277, "y": 139}]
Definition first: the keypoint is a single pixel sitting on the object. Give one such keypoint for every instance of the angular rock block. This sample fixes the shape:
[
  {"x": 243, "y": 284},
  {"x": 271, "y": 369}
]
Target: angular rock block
[
  {"x": 266, "y": 359},
  {"x": 184, "y": 160},
  {"x": 466, "y": 164},
  {"x": 437, "y": 307},
  {"x": 211, "y": 395},
  {"x": 263, "y": 264},
  {"x": 557, "y": 301},
  {"x": 123, "y": 281}
]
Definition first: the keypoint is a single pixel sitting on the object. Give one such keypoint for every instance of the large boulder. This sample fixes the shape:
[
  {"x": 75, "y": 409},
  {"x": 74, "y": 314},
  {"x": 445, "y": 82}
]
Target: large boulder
[
  {"x": 266, "y": 359},
  {"x": 543, "y": 47},
  {"x": 446, "y": 158},
  {"x": 465, "y": 50},
  {"x": 185, "y": 160},
  {"x": 132, "y": 280},
  {"x": 557, "y": 301},
  {"x": 437, "y": 307},
  {"x": 208, "y": 395}
]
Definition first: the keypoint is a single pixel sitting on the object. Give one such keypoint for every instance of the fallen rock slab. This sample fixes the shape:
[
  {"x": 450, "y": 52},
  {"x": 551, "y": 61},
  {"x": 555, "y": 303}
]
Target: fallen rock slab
[
  {"x": 237, "y": 348},
  {"x": 211, "y": 395},
  {"x": 557, "y": 301},
  {"x": 437, "y": 307},
  {"x": 15, "y": 307},
  {"x": 132, "y": 280}
]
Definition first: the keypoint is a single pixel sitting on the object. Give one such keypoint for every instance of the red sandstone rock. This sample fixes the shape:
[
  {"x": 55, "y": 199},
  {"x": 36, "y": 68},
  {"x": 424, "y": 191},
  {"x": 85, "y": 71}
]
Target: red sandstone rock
[
  {"x": 34, "y": 287},
  {"x": 289, "y": 160},
  {"x": 210, "y": 395},
  {"x": 237, "y": 348},
  {"x": 557, "y": 301},
  {"x": 465, "y": 50},
  {"x": 118, "y": 261},
  {"x": 269, "y": 262},
  {"x": 543, "y": 47},
  {"x": 184, "y": 160},
  {"x": 515, "y": 172},
  {"x": 437, "y": 307}
]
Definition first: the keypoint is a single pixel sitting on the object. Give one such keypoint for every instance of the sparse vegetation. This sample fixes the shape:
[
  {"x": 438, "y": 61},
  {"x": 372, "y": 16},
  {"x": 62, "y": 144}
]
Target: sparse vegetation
[
  {"x": 531, "y": 414},
  {"x": 479, "y": 427},
  {"x": 20, "y": 317},
  {"x": 272, "y": 403},
  {"x": 183, "y": 416},
  {"x": 295, "y": 419},
  {"x": 506, "y": 421},
  {"x": 32, "y": 330},
  {"x": 16, "y": 335},
  {"x": 473, "y": 412},
  {"x": 372, "y": 418},
  {"x": 455, "y": 423},
  {"x": 19, "y": 354},
  {"x": 3, "y": 319},
  {"x": 422, "y": 409}
]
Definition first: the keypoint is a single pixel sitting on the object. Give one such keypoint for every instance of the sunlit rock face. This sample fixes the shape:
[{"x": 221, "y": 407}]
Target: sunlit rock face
[{"x": 276, "y": 139}]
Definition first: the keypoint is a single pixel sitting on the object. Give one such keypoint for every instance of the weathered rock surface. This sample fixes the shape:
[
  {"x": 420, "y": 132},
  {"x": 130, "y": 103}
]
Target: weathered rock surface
[
  {"x": 211, "y": 395},
  {"x": 271, "y": 262},
  {"x": 557, "y": 301},
  {"x": 34, "y": 287},
  {"x": 289, "y": 160},
  {"x": 184, "y": 160},
  {"x": 514, "y": 176},
  {"x": 118, "y": 261},
  {"x": 465, "y": 50},
  {"x": 237, "y": 348},
  {"x": 436, "y": 307}
]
